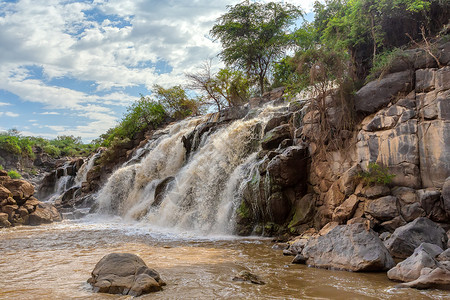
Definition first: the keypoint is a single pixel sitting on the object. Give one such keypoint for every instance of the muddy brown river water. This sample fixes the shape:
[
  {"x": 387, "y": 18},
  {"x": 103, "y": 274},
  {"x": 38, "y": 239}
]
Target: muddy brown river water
[{"x": 54, "y": 261}]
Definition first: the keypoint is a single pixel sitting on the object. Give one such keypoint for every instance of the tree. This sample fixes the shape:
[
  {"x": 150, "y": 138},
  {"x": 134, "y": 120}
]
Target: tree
[
  {"x": 254, "y": 35},
  {"x": 224, "y": 89},
  {"x": 175, "y": 101}
]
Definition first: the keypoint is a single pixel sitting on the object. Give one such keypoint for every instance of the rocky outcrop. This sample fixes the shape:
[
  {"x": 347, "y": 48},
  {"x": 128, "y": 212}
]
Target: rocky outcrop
[
  {"x": 427, "y": 267},
  {"x": 348, "y": 247},
  {"x": 406, "y": 238},
  {"x": 124, "y": 273},
  {"x": 19, "y": 207}
]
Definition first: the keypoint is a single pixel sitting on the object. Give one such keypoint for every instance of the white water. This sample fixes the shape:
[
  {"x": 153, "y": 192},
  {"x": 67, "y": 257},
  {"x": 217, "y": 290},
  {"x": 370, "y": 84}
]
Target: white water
[{"x": 206, "y": 187}]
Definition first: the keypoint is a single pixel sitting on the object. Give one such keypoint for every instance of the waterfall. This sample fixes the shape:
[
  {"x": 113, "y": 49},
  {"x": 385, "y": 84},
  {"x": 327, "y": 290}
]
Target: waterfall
[{"x": 196, "y": 193}]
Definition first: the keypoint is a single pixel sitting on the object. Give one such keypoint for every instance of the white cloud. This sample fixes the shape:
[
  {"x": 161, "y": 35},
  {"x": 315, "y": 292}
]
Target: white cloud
[
  {"x": 8, "y": 114},
  {"x": 4, "y": 104},
  {"x": 119, "y": 50},
  {"x": 50, "y": 113}
]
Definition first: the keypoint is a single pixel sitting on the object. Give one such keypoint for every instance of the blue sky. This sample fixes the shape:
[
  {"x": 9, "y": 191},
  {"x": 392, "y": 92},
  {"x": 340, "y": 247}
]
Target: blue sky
[{"x": 72, "y": 67}]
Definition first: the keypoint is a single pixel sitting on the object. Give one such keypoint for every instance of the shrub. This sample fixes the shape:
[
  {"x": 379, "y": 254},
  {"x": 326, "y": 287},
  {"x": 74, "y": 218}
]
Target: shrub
[
  {"x": 14, "y": 174},
  {"x": 376, "y": 174},
  {"x": 52, "y": 150}
]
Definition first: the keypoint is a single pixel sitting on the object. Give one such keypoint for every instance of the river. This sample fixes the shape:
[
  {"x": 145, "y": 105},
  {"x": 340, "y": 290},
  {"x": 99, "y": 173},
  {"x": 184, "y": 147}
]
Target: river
[{"x": 54, "y": 261}]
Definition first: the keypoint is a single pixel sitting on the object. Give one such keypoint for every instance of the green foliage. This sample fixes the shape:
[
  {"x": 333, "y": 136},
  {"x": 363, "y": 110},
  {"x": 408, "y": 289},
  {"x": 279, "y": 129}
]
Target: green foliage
[
  {"x": 376, "y": 174},
  {"x": 14, "y": 174},
  {"x": 1, "y": 167},
  {"x": 383, "y": 62},
  {"x": 175, "y": 102},
  {"x": 254, "y": 35},
  {"x": 243, "y": 210},
  {"x": 52, "y": 150}
]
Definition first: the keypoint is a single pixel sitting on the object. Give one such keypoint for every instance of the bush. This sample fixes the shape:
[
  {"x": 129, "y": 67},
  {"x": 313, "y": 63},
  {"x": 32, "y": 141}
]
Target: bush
[
  {"x": 376, "y": 174},
  {"x": 14, "y": 174},
  {"x": 52, "y": 151}
]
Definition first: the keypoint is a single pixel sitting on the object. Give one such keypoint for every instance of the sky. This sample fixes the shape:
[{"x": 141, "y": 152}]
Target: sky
[{"x": 72, "y": 67}]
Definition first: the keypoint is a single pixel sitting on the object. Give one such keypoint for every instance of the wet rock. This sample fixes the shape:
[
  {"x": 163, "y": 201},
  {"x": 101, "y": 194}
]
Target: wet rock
[
  {"x": 408, "y": 237},
  {"x": 384, "y": 208},
  {"x": 296, "y": 246},
  {"x": 44, "y": 214},
  {"x": 430, "y": 278},
  {"x": 160, "y": 190},
  {"x": 303, "y": 210},
  {"x": 299, "y": 259},
  {"x": 348, "y": 247},
  {"x": 124, "y": 273},
  {"x": 379, "y": 93},
  {"x": 4, "y": 220},
  {"x": 277, "y": 121},
  {"x": 274, "y": 137},
  {"x": 249, "y": 277},
  {"x": 409, "y": 269}
]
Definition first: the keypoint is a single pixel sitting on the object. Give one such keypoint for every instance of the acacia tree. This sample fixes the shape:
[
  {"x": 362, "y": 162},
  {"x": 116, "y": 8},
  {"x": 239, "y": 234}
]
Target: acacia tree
[
  {"x": 254, "y": 35},
  {"x": 225, "y": 88}
]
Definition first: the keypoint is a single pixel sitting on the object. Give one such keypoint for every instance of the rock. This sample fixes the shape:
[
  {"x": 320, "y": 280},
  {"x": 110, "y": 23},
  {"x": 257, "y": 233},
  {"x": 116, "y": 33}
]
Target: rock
[
  {"x": 444, "y": 256},
  {"x": 20, "y": 189},
  {"x": 384, "y": 208},
  {"x": 446, "y": 196},
  {"x": 289, "y": 168},
  {"x": 296, "y": 246},
  {"x": 328, "y": 227},
  {"x": 247, "y": 276},
  {"x": 124, "y": 273},
  {"x": 406, "y": 238},
  {"x": 4, "y": 220},
  {"x": 409, "y": 269},
  {"x": 279, "y": 207},
  {"x": 406, "y": 195},
  {"x": 412, "y": 211},
  {"x": 274, "y": 137},
  {"x": 437, "y": 278},
  {"x": 277, "y": 121},
  {"x": 299, "y": 259},
  {"x": 4, "y": 193},
  {"x": 3, "y": 173},
  {"x": 379, "y": 93},
  {"x": 425, "y": 79},
  {"x": 303, "y": 210},
  {"x": 430, "y": 201},
  {"x": 372, "y": 192},
  {"x": 44, "y": 214},
  {"x": 347, "y": 182},
  {"x": 393, "y": 224},
  {"x": 348, "y": 247},
  {"x": 346, "y": 210}
]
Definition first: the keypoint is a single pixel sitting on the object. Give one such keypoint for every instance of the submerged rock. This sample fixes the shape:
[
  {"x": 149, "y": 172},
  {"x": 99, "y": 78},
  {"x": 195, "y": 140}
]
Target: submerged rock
[
  {"x": 408, "y": 237},
  {"x": 249, "y": 277},
  {"x": 124, "y": 273},
  {"x": 348, "y": 247}
]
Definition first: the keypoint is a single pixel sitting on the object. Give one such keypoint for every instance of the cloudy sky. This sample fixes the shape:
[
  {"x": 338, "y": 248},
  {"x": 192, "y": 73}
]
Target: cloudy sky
[{"x": 72, "y": 67}]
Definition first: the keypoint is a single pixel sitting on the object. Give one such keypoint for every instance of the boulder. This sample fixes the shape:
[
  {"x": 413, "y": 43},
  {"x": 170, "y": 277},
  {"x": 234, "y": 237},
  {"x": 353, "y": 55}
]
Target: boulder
[
  {"x": 406, "y": 238},
  {"x": 345, "y": 211},
  {"x": 289, "y": 168},
  {"x": 430, "y": 278},
  {"x": 430, "y": 201},
  {"x": 384, "y": 208},
  {"x": 4, "y": 220},
  {"x": 406, "y": 195},
  {"x": 444, "y": 256},
  {"x": 409, "y": 269},
  {"x": 274, "y": 137},
  {"x": 303, "y": 210},
  {"x": 379, "y": 93},
  {"x": 20, "y": 189},
  {"x": 348, "y": 247},
  {"x": 44, "y": 214},
  {"x": 124, "y": 273},
  {"x": 412, "y": 211},
  {"x": 4, "y": 193}
]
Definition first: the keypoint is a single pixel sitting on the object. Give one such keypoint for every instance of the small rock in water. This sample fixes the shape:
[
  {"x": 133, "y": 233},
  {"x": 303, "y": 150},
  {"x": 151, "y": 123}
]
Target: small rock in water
[{"x": 247, "y": 276}]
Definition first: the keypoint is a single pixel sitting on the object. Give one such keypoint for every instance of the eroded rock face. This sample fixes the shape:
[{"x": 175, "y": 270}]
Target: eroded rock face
[
  {"x": 406, "y": 238},
  {"x": 348, "y": 247},
  {"x": 124, "y": 273}
]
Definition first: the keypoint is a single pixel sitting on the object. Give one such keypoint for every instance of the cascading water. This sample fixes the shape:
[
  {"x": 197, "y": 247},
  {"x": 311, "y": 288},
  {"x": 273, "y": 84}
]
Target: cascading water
[{"x": 201, "y": 192}]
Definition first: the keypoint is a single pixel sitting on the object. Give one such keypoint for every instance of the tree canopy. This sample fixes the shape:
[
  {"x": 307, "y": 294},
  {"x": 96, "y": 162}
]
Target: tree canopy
[{"x": 254, "y": 35}]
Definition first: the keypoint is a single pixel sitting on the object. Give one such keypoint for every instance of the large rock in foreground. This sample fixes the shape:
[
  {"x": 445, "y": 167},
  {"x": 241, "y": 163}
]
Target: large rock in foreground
[
  {"x": 407, "y": 238},
  {"x": 348, "y": 247},
  {"x": 124, "y": 273}
]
